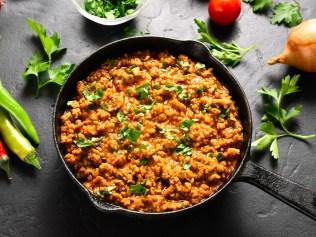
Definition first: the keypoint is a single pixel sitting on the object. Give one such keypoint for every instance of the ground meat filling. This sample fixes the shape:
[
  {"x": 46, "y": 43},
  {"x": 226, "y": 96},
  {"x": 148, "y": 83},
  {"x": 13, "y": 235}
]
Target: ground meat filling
[{"x": 152, "y": 132}]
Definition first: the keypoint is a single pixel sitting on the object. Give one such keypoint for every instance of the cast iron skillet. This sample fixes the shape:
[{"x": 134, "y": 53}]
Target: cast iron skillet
[{"x": 293, "y": 194}]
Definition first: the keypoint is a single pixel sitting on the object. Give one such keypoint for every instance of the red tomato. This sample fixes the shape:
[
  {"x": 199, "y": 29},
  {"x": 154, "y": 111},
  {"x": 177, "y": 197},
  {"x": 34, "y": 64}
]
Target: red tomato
[{"x": 224, "y": 12}]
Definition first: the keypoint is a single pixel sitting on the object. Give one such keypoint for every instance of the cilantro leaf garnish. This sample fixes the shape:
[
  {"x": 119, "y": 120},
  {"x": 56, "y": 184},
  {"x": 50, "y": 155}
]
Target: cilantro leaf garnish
[
  {"x": 183, "y": 149},
  {"x": 93, "y": 96},
  {"x": 186, "y": 166},
  {"x": 287, "y": 13},
  {"x": 144, "y": 161},
  {"x": 229, "y": 53},
  {"x": 225, "y": 114},
  {"x": 120, "y": 116},
  {"x": 85, "y": 143},
  {"x": 275, "y": 114},
  {"x": 178, "y": 89},
  {"x": 199, "y": 66},
  {"x": 138, "y": 189},
  {"x": 132, "y": 134},
  {"x": 143, "y": 91},
  {"x": 259, "y": 5},
  {"x": 186, "y": 124}
]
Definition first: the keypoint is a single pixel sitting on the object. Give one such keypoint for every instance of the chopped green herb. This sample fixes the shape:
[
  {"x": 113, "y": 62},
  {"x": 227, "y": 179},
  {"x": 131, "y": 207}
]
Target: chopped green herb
[
  {"x": 225, "y": 114},
  {"x": 157, "y": 86},
  {"x": 205, "y": 108},
  {"x": 176, "y": 88},
  {"x": 199, "y": 66},
  {"x": 138, "y": 189},
  {"x": 70, "y": 103},
  {"x": 120, "y": 116},
  {"x": 130, "y": 69},
  {"x": 104, "y": 107},
  {"x": 259, "y": 5},
  {"x": 93, "y": 96},
  {"x": 85, "y": 143},
  {"x": 164, "y": 65},
  {"x": 185, "y": 96},
  {"x": 132, "y": 134},
  {"x": 186, "y": 124},
  {"x": 200, "y": 90},
  {"x": 110, "y": 9},
  {"x": 142, "y": 146},
  {"x": 220, "y": 156},
  {"x": 183, "y": 149},
  {"x": 144, "y": 161},
  {"x": 183, "y": 64},
  {"x": 186, "y": 166},
  {"x": 108, "y": 190},
  {"x": 169, "y": 133},
  {"x": 143, "y": 91}
]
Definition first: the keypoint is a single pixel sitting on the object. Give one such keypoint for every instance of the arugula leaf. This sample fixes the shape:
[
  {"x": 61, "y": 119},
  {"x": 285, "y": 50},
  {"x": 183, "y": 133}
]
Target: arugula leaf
[
  {"x": 50, "y": 43},
  {"x": 93, "y": 96},
  {"x": 143, "y": 91},
  {"x": 144, "y": 161},
  {"x": 287, "y": 13},
  {"x": 259, "y": 5},
  {"x": 186, "y": 166},
  {"x": 229, "y": 53},
  {"x": 186, "y": 124},
  {"x": 276, "y": 115},
  {"x": 132, "y": 134},
  {"x": 120, "y": 116},
  {"x": 36, "y": 65},
  {"x": 85, "y": 143},
  {"x": 138, "y": 189}
]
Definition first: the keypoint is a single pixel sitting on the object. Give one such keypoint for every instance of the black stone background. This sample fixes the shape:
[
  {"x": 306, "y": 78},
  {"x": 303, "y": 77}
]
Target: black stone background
[{"x": 47, "y": 203}]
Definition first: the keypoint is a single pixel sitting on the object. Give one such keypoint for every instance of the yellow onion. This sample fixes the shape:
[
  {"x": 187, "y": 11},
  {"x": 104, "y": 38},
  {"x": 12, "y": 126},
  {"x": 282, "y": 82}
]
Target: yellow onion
[{"x": 300, "y": 50}]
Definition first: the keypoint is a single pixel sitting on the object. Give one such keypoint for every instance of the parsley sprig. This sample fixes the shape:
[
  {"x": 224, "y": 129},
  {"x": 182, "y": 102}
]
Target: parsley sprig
[
  {"x": 287, "y": 13},
  {"x": 229, "y": 53},
  {"x": 276, "y": 115},
  {"x": 259, "y": 5},
  {"x": 39, "y": 66}
]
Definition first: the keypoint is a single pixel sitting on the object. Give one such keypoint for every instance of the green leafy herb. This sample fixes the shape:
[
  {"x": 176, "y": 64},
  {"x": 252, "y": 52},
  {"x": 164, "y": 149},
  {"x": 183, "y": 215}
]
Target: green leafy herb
[
  {"x": 199, "y": 66},
  {"x": 229, "y": 53},
  {"x": 200, "y": 90},
  {"x": 50, "y": 43},
  {"x": 220, "y": 156},
  {"x": 85, "y": 143},
  {"x": 225, "y": 114},
  {"x": 157, "y": 86},
  {"x": 130, "y": 32},
  {"x": 164, "y": 65},
  {"x": 275, "y": 114},
  {"x": 93, "y": 96},
  {"x": 110, "y": 9},
  {"x": 169, "y": 133},
  {"x": 120, "y": 116},
  {"x": 183, "y": 149},
  {"x": 39, "y": 66},
  {"x": 259, "y": 5},
  {"x": 185, "y": 96},
  {"x": 186, "y": 124},
  {"x": 183, "y": 64},
  {"x": 143, "y": 91},
  {"x": 132, "y": 134},
  {"x": 287, "y": 13},
  {"x": 186, "y": 166},
  {"x": 138, "y": 189},
  {"x": 142, "y": 146},
  {"x": 205, "y": 108},
  {"x": 144, "y": 161},
  {"x": 178, "y": 89},
  {"x": 108, "y": 190}
]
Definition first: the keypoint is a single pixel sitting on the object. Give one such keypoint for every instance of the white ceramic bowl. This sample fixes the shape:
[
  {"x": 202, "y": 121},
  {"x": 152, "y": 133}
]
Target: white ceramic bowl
[{"x": 79, "y": 4}]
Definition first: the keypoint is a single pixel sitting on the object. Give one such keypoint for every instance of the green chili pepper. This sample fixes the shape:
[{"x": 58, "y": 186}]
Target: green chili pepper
[
  {"x": 16, "y": 142},
  {"x": 16, "y": 110}
]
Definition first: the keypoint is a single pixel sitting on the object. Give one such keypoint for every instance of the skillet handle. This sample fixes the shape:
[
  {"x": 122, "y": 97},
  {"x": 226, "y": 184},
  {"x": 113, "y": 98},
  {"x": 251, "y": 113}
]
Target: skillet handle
[{"x": 289, "y": 192}]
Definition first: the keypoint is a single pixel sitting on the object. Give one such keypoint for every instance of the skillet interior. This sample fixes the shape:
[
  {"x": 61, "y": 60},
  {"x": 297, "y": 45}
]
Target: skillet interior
[{"x": 196, "y": 51}]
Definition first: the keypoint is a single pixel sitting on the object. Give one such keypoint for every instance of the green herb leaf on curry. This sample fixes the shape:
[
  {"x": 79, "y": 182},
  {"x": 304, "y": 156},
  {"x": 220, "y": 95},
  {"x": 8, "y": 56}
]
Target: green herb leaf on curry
[
  {"x": 143, "y": 91},
  {"x": 132, "y": 134},
  {"x": 85, "y": 143},
  {"x": 138, "y": 189},
  {"x": 93, "y": 96}
]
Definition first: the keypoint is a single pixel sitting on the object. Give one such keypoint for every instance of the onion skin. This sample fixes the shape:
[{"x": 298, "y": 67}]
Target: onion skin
[{"x": 300, "y": 50}]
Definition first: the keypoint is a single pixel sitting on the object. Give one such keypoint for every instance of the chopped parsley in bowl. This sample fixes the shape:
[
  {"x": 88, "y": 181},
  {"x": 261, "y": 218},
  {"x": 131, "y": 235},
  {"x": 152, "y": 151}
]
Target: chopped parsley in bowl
[
  {"x": 111, "y": 9},
  {"x": 109, "y": 12}
]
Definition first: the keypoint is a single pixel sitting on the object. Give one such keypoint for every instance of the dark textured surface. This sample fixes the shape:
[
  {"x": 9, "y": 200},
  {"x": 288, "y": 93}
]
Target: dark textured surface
[{"x": 47, "y": 203}]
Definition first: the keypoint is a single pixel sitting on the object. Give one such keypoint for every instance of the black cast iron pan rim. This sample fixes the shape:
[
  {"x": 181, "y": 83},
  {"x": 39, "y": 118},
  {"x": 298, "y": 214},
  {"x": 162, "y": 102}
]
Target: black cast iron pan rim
[{"x": 118, "y": 209}]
